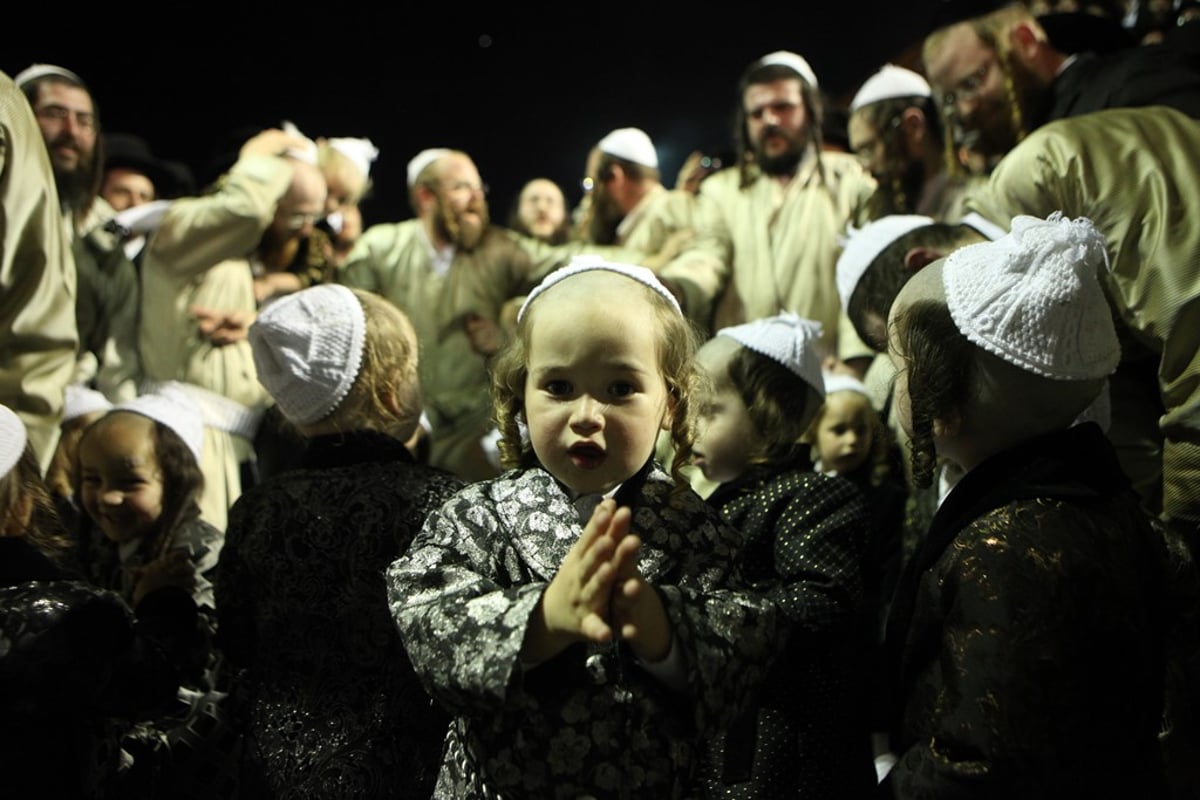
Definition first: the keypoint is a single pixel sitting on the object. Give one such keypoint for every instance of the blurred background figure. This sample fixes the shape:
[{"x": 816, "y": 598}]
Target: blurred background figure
[
  {"x": 541, "y": 212},
  {"x": 138, "y": 185}
]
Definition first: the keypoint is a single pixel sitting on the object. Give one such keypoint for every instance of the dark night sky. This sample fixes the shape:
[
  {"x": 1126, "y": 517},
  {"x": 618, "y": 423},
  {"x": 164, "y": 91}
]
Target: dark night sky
[{"x": 526, "y": 92}]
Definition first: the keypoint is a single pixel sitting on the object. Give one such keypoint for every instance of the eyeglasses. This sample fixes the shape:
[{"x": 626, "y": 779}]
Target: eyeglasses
[
  {"x": 969, "y": 87},
  {"x": 85, "y": 120},
  {"x": 296, "y": 222}
]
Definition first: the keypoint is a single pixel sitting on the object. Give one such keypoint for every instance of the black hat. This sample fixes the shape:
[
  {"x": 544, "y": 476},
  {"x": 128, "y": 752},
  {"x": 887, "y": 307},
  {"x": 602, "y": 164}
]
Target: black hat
[{"x": 170, "y": 178}]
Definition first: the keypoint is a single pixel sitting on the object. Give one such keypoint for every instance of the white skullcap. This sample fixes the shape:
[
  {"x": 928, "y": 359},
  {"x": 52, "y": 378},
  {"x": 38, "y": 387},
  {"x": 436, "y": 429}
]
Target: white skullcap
[
  {"x": 795, "y": 62},
  {"x": 80, "y": 400},
  {"x": 787, "y": 339},
  {"x": 1034, "y": 299},
  {"x": 631, "y": 144},
  {"x": 36, "y": 71},
  {"x": 841, "y": 382},
  {"x": 889, "y": 83},
  {"x": 307, "y": 153},
  {"x": 863, "y": 245},
  {"x": 422, "y": 160},
  {"x": 308, "y": 349},
  {"x": 12, "y": 439},
  {"x": 588, "y": 263},
  {"x": 362, "y": 152},
  {"x": 170, "y": 404}
]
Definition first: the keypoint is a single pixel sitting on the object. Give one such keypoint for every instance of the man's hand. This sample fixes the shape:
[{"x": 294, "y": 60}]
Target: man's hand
[{"x": 222, "y": 327}]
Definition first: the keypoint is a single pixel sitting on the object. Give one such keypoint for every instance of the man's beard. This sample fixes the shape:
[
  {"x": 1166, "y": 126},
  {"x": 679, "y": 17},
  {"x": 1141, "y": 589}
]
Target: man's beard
[
  {"x": 75, "y": 185},
  {"x": 465, "y": 234},
  {"x": 278, "y": 250},
  {"x": 784, "y": 163},
  {"x": 604, "y": 219}
]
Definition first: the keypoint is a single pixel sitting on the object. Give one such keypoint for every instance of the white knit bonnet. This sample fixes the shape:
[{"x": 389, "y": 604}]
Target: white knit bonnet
[
  {"x": 308, "y": 350},
  {"x": 170, "y": 404},
  {"x": 787, "y": 339}
]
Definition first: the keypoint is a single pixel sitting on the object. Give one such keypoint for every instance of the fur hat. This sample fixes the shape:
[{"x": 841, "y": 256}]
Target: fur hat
[
  {"x": 12, "y": 439},
  {"x": 1033, "y": 298},
  {"x": 308, "y": 349},
  {"x": 170, "y": 404},
  {"x": 587, "y": 263},
  {"x": 863, "y": 245},
  {"x": 631, "y": 144},
  {"x": 787, "y": 339},
  {"x": 889, "y": 83}
]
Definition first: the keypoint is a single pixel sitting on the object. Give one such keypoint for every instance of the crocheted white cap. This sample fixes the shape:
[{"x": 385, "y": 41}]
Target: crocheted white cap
[
  {"x": 889, "y": 83},
  {"x": 631, "y": 144},
  {"x": 841, "y": 382},
  {"x": 422, "y": 160},
  {"x": 794, "y": 61},
  {"x": 587, "y": 263},
  {"x": 861, "y": 246},
  {"x": 12, "y": 439},
  {"x": 786, "y": 338},
  {"x": 308, "y": 349},
  {"x": 80, "y": 400},
  {"x": 1034, "y": 298},
  {"x": 362, "y": 152},
  {"x": 35, "y": 71},
  {"x": 170, "y": 404}
]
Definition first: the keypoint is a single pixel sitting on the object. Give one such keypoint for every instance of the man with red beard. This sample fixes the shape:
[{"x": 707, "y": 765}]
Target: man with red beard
[
  {"x": 1000, "y": 76},
  {"x": 105, "y": 305},
  {"x": 451, "y": 271},
  {"x": 768, "y": 228}
]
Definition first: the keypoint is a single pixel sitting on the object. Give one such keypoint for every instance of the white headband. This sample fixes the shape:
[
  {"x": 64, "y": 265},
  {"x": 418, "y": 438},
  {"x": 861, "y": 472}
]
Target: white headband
[
  {"x": 787, "y": 339},
  {"x": 587, "y": 263}
]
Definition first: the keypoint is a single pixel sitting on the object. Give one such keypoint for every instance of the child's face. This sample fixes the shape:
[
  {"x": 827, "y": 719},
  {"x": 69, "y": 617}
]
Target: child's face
[
  {"x": 121, "y": 482},
  {"x": 844, "y": 434},
  {"x": 595, "y": 398},
  {"x": 726, "y": 440}
]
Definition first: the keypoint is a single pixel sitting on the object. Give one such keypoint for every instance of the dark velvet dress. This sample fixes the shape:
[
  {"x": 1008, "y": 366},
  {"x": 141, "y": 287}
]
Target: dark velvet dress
[
  {"x": 807, "y": 737},
  {"x": 324, "y": 690},
  {"x": 1027, "y": 633}
]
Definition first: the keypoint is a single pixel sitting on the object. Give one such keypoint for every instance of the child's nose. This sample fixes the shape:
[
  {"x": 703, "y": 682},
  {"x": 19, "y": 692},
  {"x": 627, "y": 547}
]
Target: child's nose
[
  {"x": 112, "y": 497},
  {"x": 588, "y": 413}
]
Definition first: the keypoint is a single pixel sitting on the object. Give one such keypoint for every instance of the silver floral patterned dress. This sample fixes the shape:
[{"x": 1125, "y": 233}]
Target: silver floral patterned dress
[{"x": 590, "y": 722}]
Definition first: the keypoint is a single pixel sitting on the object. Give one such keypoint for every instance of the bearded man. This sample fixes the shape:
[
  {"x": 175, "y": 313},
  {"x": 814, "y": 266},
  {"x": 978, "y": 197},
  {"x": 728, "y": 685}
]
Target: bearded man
[
  {"x": 451, "y": 270},
  {"x": 1000, "y": 76},
  {"x": 768, "y": 229}
]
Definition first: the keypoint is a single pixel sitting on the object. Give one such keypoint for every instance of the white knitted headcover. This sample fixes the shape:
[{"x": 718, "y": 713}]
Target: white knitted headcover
[
  {"x": 889, "y": 83},
  {"x": 588, "y": 263},
  {"x": 841, "y": 382},
  {"x": 80, "y": 400},
  {"x": 631, "y": 144},
  {"x": 12, "y": 439},
  {"x": 308, "y": 349},
  {"x": 1034, "y": 298},
  {"x": 170, "y": 404},
  {"x": 795, "y": 62},
  {"x": 361, "y": 152},
  {"x": 787, "y": 339},
  {"x": 421, "y": 160},
  {"x": 861, "y": 246}
]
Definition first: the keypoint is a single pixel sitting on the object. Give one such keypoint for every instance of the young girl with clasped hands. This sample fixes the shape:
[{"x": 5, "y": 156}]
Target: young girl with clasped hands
[{"x": 577, "y": 613}]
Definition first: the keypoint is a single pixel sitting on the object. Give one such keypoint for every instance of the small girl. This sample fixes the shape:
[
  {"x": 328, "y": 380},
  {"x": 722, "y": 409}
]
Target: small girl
[
  {"x": 139, "y": 483},
  {"x": 324, "y": 689},
  {"x": 75, "y": 670},
  {"x": 580, "y": 658},
  {"x": 1027, "y": 632},
  {"x": 805, "y": 537}
]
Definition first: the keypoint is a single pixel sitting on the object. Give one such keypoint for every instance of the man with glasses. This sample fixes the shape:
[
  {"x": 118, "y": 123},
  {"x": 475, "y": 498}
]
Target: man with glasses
[
  {"x": 200, "y": 294},
  {"x": 1001, "y": 76},
  {"x": 107, "y": 285},
  {"x": 452, "y": 271}
]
